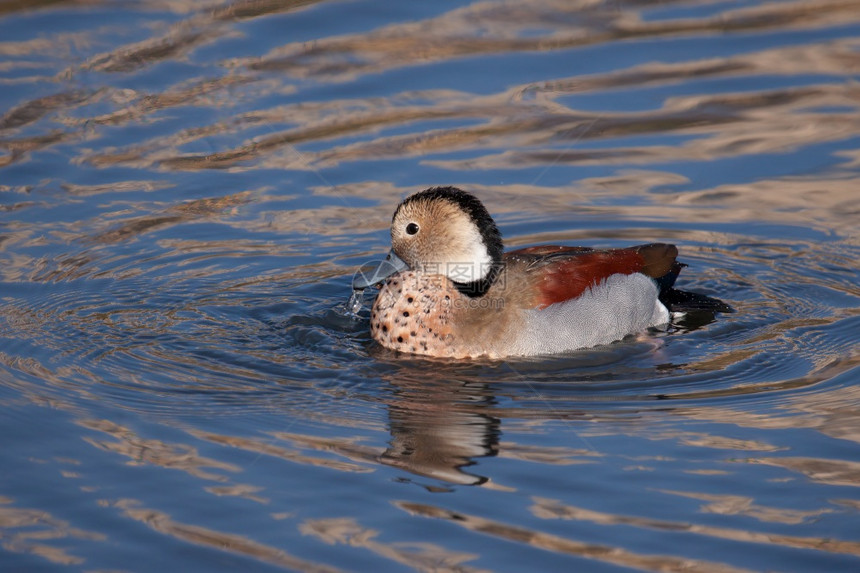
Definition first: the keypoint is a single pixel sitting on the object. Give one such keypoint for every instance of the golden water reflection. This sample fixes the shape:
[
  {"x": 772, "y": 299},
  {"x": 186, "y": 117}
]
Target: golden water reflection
[
  {"x": 220, "y": 541},
  {"x": 443, "y": 430},
  {"x": 421, "y": 556},
  {"x": 291, "y": 111},
  {"x": 343, "y": 447},
  {"x": 559, "y": 544},
  {"x": 505, "y": 26},
  {"x": 26, "y": 530},
  {"x": 528, "y": 125},
  {"x": 725, "y": 504},
  {"x": 141, "y": 451},
  {"x": 552, "y": 509}
]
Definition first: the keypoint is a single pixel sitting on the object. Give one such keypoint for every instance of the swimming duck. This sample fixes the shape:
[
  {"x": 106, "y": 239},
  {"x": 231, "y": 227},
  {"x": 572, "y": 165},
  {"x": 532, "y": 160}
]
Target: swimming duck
[{"x": 449, "y": 290}]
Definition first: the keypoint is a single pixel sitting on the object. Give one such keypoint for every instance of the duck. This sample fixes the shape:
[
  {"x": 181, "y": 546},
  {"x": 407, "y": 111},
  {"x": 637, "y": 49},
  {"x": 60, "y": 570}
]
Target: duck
[{"x": 447, "y": 288}]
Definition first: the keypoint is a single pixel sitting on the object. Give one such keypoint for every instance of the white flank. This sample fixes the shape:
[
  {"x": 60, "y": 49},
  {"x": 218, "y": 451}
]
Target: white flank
[{"x": 620, "y": 305}]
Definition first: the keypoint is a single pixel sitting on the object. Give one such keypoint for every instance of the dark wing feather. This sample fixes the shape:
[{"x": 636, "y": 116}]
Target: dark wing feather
[{"x": 562, "y": 273}]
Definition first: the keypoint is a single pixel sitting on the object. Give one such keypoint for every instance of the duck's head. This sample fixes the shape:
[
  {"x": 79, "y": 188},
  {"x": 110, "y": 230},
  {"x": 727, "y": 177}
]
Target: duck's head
[{"x": 442, "y": 231}]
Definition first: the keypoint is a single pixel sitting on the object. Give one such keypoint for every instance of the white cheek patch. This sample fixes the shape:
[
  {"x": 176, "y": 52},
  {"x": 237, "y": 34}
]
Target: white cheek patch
[{"x": 473, "y": 262}]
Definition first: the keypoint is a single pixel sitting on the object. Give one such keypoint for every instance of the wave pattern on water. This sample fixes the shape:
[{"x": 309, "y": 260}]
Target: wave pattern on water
[{"x": 187, "y": 187}]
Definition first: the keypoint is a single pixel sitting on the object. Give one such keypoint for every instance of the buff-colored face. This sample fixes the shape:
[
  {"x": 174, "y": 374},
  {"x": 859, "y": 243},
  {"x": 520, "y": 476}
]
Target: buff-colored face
[{"x": 435, "y": 236}]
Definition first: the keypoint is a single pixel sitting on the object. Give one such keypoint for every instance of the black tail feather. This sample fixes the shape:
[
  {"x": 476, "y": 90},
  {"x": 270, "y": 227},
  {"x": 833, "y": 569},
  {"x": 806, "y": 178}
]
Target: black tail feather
[
  {"x": 667, "y": 281},
  {"x": 685, "y": 301}
]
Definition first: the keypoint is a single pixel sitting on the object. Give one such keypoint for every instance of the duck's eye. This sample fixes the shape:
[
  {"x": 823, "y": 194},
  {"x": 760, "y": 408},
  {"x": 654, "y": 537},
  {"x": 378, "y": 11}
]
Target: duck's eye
[{"x": 411, "y": 228}]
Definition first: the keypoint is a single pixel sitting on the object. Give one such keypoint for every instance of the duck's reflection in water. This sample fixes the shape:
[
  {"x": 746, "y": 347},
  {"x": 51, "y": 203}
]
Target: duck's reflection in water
[{"x": 438, "y": 428}]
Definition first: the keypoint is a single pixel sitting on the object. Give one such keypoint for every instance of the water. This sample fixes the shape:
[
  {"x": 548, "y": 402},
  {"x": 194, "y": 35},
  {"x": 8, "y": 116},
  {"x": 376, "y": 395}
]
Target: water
[{"x": 186, "y": 190}]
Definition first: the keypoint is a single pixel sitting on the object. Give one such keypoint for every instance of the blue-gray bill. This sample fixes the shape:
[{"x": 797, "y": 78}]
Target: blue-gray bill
[{"x": 391, "y": 265}]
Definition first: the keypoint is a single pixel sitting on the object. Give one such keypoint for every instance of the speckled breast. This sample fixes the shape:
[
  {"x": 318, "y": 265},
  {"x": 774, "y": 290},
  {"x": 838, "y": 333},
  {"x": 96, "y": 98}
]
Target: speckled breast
[{"x": 413, "y": 313}]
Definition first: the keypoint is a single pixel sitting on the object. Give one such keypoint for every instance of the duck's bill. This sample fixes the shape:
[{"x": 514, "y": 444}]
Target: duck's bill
[{"x": 391, "y": 265}]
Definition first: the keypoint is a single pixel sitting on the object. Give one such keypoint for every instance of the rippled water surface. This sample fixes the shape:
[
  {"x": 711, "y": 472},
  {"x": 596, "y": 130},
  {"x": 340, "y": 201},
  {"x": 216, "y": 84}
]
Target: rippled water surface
[{"x": 186, "y": 189}]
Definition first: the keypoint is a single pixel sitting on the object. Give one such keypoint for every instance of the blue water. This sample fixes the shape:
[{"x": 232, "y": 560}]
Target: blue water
[{"x": 186, "y": 190}]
